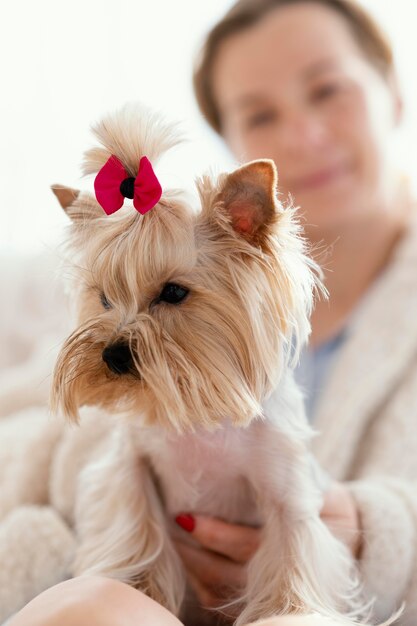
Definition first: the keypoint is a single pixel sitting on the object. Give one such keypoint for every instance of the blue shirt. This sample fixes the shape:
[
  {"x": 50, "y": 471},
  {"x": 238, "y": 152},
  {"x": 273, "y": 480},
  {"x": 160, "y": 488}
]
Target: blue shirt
[{"x": 314, "y": 368}]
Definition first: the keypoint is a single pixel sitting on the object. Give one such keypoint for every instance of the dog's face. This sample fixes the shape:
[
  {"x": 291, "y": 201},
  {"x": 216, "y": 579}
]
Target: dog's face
[{"x": 186, "y": 318}]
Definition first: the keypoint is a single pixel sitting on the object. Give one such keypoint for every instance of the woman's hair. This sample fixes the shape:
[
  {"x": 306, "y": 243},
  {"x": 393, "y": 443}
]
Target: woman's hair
[{"x": 246, "y": 13}]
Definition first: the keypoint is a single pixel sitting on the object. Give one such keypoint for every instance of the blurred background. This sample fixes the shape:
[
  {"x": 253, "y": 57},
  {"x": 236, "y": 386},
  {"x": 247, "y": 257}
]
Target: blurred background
[{"x": 64, "y": 64}]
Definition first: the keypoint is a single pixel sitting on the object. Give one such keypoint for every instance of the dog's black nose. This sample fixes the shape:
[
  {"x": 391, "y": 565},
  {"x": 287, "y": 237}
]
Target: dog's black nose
[{"x": 118, "y": 358}]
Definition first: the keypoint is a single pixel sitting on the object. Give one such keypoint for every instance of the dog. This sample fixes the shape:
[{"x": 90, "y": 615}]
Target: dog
[{"x": 190, "y": 322}]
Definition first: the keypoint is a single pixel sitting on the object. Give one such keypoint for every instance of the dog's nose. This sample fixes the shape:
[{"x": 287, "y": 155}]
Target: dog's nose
[{"x": 118, "y": 358}]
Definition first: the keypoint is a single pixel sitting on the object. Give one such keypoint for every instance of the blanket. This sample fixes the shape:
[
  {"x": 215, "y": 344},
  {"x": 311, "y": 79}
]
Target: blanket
[{"x": 40, "y": 454}]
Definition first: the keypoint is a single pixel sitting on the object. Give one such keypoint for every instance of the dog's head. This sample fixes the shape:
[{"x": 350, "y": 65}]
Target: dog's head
[{"x": 185, "y": 317}]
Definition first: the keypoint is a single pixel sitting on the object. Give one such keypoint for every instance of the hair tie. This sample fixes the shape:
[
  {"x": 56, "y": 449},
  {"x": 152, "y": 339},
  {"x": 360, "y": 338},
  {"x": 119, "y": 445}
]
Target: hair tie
[
  {"x": 127, "y": 188},
  {"x": 113, "y": 184}
]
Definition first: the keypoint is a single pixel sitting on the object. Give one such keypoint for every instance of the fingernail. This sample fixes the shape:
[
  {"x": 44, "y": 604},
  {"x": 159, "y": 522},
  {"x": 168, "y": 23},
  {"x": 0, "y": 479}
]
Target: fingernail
[{"x": 186, "y": 521}]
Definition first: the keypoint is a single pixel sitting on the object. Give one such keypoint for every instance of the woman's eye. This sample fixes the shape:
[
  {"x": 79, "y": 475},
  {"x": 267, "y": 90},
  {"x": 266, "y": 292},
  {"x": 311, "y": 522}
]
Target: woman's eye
[
  {"x": 106, "y": 304},
  {"x": 173, "y": 293},
  {"x": 260, "y": 119},
  {"x": 325, "y": 91}
]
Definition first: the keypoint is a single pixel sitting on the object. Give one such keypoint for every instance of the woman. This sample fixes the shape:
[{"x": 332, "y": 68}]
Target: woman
[{"x": 311, "y": 84}]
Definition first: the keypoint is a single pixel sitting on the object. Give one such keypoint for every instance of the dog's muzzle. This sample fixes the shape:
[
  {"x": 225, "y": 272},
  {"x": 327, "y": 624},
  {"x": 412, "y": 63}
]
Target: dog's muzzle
[{"x": 118, "y": 358}]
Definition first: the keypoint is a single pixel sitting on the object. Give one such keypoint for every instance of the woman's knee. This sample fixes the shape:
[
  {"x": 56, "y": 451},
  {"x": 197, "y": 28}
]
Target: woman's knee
[
  {"x": 121, "y": 604},
  {"x": 93, "y": 601},
  {"x": 62, "y": 603}
]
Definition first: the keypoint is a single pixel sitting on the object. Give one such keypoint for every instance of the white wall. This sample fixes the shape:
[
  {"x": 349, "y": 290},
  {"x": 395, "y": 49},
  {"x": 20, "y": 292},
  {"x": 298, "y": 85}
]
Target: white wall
[{"x": 63, "y": 64}]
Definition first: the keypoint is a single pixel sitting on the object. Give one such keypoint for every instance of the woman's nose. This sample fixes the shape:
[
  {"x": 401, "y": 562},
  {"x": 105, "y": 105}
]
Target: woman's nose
[{"x": 303, "y": 132}]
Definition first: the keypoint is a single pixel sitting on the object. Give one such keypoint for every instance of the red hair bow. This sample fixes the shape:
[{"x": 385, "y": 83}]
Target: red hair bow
[{"x": 113, "y": 184}]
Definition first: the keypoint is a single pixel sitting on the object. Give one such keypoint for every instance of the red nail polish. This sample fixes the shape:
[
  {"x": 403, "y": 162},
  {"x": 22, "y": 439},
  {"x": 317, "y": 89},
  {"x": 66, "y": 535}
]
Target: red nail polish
[{"x": 186, "y": 521}]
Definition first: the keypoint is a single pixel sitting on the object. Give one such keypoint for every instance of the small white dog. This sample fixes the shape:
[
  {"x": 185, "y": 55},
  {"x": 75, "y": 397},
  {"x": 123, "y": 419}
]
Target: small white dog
[{"x": 189, "y": 326}]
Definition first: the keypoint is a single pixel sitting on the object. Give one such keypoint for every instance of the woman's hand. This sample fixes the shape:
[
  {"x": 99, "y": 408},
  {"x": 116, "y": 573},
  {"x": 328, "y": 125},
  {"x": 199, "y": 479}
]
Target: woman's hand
[
  {"x": 217, "y": 565},
  {"x": 341, "y": 515}
]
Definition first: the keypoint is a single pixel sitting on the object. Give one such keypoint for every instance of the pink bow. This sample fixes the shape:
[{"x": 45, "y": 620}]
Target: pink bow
[{"x": 113, "y": 184}]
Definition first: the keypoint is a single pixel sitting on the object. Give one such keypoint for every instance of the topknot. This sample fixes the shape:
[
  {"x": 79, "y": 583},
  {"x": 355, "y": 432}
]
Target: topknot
[{"x": 130, "y": 133}]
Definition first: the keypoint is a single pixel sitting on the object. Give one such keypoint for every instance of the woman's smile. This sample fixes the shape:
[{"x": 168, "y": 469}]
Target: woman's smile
[{"x": 320, "y": 178}]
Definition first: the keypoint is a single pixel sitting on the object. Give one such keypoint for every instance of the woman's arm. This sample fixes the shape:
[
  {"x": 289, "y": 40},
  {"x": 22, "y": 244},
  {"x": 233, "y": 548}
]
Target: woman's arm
[{"x": 388, "y": 565}]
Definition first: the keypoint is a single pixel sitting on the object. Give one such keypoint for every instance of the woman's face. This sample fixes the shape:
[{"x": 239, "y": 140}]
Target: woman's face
[{"x": 297, "y": 88}]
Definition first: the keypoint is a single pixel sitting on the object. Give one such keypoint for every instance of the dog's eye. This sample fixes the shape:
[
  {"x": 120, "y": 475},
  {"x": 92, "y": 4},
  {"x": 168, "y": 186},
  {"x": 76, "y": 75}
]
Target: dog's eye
[
  {"x": 106, "y": 304},
  {"x": 173, "y": 293}
]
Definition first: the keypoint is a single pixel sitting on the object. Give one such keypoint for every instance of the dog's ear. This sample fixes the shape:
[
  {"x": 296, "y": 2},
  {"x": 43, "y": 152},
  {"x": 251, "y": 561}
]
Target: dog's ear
[
  {"x": 66, "y": 195},
  {"x": 76, "y": 206},
  {"x": 249, "y": 197}
]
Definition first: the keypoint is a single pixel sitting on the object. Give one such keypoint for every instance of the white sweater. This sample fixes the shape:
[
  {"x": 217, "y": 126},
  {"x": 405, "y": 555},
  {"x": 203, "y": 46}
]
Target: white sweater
[{"x": 367, "y": 417}]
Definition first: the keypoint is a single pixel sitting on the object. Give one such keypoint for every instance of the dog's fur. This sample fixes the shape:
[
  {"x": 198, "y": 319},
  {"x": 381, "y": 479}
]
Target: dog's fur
[{"x": 209, "y": 418}]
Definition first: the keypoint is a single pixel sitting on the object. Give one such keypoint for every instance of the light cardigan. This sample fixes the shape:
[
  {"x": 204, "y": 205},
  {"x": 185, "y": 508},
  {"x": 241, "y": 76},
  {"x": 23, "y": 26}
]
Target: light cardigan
[{"x": 367, "y": 419}]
